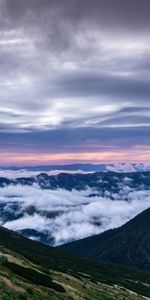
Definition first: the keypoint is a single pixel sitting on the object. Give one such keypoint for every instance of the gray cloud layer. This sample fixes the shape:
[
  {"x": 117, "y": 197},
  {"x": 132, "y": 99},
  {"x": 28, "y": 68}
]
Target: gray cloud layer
[{"x": 73, "y": 72}]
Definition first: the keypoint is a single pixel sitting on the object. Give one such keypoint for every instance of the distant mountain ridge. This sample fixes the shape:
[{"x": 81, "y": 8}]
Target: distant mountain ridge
[
  {"x": 85, "y": 167},
  {"x": 99, "y": 181},
  {"x": 71, "y": 167},
  {"x": 128, "y": 245}
]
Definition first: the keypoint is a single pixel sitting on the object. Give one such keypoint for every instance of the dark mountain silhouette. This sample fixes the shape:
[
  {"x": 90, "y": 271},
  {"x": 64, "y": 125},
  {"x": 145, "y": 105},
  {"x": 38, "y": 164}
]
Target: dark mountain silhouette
[
  {"x": 31, "y": 270},
  {"x": 99, "y": 181},
  {"x": 128, "y": 245}
]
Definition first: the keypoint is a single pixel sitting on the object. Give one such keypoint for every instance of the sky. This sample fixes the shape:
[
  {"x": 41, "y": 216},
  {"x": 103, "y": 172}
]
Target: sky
[{"x": 74, "y": 81}]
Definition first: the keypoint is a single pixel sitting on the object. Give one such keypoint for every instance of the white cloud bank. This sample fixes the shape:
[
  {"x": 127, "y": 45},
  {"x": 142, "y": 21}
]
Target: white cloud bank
[
  {"x": 128, "y": 168},
  {"x": 74, "y": 214},
  {"x": 13, "y": 174}
]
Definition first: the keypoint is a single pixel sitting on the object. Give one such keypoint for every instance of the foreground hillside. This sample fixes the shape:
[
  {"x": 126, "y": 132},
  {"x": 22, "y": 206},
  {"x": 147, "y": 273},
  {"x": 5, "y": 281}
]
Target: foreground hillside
[
  {"x": 127, "y": 245},
  {"x": 30, "y": 270}
]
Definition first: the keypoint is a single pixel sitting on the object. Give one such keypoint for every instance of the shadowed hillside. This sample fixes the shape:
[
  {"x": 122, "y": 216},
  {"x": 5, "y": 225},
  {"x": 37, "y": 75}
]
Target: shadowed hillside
[
  {"x": 128, "y": 245},
  {"x": 30, "y": 270}
]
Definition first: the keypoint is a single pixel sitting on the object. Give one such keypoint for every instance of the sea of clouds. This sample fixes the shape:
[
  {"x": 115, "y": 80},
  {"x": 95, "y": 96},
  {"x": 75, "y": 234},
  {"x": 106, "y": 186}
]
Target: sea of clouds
[{"x": 70, "y": 215}]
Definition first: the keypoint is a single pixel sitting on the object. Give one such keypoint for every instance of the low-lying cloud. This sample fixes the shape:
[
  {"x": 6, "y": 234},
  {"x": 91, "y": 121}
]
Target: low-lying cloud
[
  {"x": 13, "y": 174},
  {"x": 127, "y": 168},
  {"x": 67, "y": 216}
]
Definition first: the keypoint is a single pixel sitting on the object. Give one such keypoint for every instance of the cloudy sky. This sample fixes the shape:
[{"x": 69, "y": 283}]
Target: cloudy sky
[{"x": 74, "y": 81}]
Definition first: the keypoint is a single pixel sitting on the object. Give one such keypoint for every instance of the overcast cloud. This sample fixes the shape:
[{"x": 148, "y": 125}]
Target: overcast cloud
[{"x": 74, "y": 75}]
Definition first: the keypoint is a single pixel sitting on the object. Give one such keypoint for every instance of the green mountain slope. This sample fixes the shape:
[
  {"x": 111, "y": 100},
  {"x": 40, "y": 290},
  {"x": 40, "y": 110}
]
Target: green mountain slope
[
  {"x": 33, "y": 271},
  {"x": 128, "y": 245}
]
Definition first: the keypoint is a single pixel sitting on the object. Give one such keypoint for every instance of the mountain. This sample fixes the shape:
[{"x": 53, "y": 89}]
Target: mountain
[
  {"x": 128, "y": 245},
  {"x": 71, "y": 167},
  {"x": 99, "y": 181},
  {"x": 33, "y": 271},
  {"x": 124, "y": 167}
]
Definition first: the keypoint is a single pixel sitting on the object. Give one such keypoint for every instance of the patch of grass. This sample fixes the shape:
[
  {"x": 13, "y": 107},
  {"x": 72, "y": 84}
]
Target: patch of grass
[{"x": 34, "y": 276}]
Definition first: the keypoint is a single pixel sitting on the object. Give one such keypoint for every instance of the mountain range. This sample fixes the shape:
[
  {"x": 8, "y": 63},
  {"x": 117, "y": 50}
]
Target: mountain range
[
  {"x": 71, "y": 167},
  {"x": 87, "y": 167},
  {"x": 110, "y": 181}
]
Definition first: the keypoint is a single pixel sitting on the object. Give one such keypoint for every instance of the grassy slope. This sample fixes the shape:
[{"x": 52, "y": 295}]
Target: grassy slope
[{"x": 20, "y": 257}]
